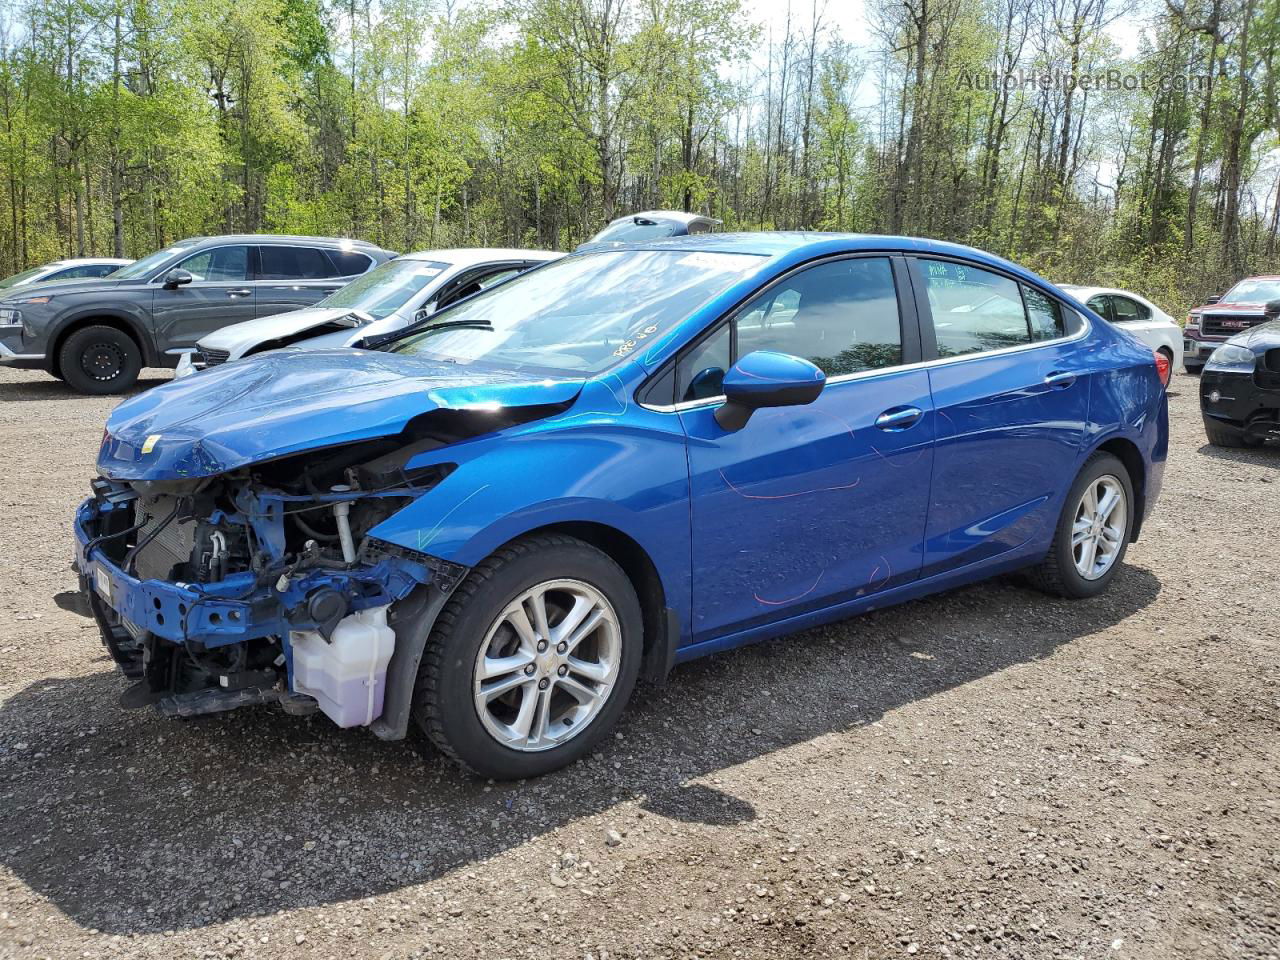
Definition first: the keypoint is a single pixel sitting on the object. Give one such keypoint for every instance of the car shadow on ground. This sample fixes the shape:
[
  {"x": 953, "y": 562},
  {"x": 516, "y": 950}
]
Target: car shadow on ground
[
  {"x": 129, "y": 823},
  {"x": 48, "y": 387},
  {"x": 1267, "y": 455}
]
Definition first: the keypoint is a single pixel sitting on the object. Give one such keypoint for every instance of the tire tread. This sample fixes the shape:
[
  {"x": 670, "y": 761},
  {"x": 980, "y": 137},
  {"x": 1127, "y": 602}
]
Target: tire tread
[
  {"x": 1047, "y": 574},
  {"x": 426, "y": 700}
]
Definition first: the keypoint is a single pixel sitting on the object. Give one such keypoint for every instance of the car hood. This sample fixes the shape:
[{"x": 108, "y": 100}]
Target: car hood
[
  {"x": 276, "y": 404},
  {"x": 1231, "y": 308},
  {"x": 1259, "y": 339},
  {"x": 240, "y": 336},
  {"x": 64, "y": 288}
]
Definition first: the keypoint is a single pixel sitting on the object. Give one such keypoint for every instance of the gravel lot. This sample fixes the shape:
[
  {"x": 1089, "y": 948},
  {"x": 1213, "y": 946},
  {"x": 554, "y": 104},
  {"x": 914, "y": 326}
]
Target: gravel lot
[{"x": 985, "y": 773}]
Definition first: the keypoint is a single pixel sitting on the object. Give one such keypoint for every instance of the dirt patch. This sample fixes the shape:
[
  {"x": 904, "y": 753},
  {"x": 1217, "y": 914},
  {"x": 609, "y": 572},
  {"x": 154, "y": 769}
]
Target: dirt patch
[{"x": 988, "y": 772}]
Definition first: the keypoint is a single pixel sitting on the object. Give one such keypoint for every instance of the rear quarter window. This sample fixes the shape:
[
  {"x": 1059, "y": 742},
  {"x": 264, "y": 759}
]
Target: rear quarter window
[{"x": 348, "y": 263}]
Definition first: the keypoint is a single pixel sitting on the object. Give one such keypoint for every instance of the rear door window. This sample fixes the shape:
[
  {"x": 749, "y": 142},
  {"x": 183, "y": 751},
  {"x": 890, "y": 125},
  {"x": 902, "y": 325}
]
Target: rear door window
[
  {"x": 293, "y": 263},
  {"x": 977, "y": 311}
]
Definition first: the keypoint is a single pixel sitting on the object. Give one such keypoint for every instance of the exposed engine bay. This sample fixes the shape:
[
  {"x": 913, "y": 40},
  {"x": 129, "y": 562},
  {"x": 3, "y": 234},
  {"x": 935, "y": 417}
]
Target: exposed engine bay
[{"x": 262, "y": 584}]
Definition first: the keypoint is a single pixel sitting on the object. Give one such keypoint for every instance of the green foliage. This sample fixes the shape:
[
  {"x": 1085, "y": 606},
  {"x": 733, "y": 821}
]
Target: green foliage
[{"x": 125, "y": 124}]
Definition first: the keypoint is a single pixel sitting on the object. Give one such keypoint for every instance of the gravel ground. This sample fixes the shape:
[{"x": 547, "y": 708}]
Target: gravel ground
[{"x": 988, "y": 772}]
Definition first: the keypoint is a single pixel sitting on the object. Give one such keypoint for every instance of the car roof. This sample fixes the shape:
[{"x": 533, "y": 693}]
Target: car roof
[
  {"x": 81, "y": 261},
  {"x": 465, "y": 256},
  {"x": 797, "y": 246},
  {"x": 1082, "y": 290},
  {"x": 280, "y": 238},
  {"x": 679, "y": 216}
]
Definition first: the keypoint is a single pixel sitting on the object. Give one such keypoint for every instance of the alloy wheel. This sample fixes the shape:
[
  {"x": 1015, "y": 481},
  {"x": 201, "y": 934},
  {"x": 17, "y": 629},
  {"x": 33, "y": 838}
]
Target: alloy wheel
[
  {"x": 547, "y": 665},
  {"x": 1099, "y": 528}
]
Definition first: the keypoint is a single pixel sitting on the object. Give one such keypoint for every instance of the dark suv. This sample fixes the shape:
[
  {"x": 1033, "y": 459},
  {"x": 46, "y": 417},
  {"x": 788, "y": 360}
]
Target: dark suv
[{"x": 97, "y": 335}]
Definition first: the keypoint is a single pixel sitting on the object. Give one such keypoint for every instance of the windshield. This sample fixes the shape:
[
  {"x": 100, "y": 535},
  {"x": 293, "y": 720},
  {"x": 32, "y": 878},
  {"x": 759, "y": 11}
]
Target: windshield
[
  {"x": 1253, "y": 291},
  {"x": 140, "y": 268},
  {"x": 385, "y": 289},
  {"x": 22, "y": 277},
  {"x": 581, "y": 314},
  {"x": 636, "y": 230}
]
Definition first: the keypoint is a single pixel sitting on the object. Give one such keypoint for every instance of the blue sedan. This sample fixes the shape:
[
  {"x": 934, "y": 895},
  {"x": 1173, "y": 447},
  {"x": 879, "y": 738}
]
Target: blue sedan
[{"x": 491, "y": 524}]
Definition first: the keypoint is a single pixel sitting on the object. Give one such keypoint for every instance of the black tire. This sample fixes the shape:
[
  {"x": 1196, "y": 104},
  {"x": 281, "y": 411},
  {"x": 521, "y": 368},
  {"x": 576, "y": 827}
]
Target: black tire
[
  {"x": 1057, "y": 573},
  {"x": 1194, "y": 369},
  {"x": 1226, "y": 435},
  {"x": 100, "y": 360},
  {"x": 444, "y": 706}
]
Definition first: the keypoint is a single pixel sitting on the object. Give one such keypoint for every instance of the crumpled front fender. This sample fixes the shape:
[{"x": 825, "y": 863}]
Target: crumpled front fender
[{"x": 630, "y": 477}]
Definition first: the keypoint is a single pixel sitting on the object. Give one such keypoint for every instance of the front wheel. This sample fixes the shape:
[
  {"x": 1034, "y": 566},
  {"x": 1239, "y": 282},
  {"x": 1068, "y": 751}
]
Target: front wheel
[
  {"x": 532, "y": 660},
  {"x": 1093, "y": 531},
  {"x": 100, "y": 360}
]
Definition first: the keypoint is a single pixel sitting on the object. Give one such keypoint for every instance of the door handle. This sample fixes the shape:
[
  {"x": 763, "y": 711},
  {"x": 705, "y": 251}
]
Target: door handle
[
  {"x": 242, "y": 292},
  {"x": 1060, "y": 379},
  {"x": 899, "y": 418}
]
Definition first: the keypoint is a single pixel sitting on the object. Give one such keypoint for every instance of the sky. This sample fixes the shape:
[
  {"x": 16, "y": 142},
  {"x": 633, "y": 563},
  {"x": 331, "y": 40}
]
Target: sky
[{"x": 849, "y": 17}]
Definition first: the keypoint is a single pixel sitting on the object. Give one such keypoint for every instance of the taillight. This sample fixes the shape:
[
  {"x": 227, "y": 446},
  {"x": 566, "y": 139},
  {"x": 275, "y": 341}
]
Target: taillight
[{"x": 1163, "y": 367}]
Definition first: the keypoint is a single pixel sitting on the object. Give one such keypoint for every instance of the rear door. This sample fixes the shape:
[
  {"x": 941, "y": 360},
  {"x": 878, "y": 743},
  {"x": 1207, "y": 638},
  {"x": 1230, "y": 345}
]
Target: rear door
[
  {"x": 1010, "y": 383},
  {"x": 291, "y": 277},
  {"x": 220, "y": 293}
]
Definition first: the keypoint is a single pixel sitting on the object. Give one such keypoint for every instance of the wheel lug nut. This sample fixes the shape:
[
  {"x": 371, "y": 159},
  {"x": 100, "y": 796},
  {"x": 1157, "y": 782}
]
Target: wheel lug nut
[
  {"x": 544, "y": 683},
  {"x": 529, "y": 670},
  {"x": 563, "y": 670},
  {"x": 561, "y": 647},
  {"x": 542, "y": 646}
]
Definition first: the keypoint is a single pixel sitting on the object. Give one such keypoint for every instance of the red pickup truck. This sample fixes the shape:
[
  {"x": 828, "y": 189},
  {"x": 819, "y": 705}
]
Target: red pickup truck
[{"x": 1241, "y": 307}]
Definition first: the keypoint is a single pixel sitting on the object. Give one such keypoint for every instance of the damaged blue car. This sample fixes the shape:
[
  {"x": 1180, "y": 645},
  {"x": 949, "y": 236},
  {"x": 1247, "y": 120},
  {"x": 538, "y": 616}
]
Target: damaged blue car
[{"x": 491, "y": 524}]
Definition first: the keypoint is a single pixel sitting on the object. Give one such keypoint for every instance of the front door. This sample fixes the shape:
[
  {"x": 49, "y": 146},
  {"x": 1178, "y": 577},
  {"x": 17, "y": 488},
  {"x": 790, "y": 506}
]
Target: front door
[
  {"x": 1012, "y": 407},
  {"x": 810, "y": 506},
  {"x": 220, "y": 293}
]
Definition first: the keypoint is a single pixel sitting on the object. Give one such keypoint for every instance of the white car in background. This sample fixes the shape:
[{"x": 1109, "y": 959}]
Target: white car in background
[
  {"x": 76, "y": 268},
  {"x": 1135, "y": 315},
  {"x": 387, "y": 298}
]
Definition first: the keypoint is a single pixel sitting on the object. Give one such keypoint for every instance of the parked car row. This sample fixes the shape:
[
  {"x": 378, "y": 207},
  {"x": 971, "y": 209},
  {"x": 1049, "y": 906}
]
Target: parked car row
[
  {"x": 98, "y": 333},
  {"x": 209, "y": 300},
  {"x": 395, "y": 294},
  {"x": 491, "y": 519}
]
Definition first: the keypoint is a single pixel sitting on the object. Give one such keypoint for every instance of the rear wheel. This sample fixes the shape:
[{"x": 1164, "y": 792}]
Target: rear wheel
[
  {"x": 100, "y": 359},
  {"x": 1092, "y": 533},
  {"x": 1227, "y": 435},
  {"x": 532, "y": 660}
]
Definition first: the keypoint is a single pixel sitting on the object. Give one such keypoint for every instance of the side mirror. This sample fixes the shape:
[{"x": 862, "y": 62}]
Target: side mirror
[
  {"x": 767, "y": 379},
  {"x": 1214, "y": 299},
  {"x": 176, "y": 277},
  {"x": 423, "y": 312}
]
